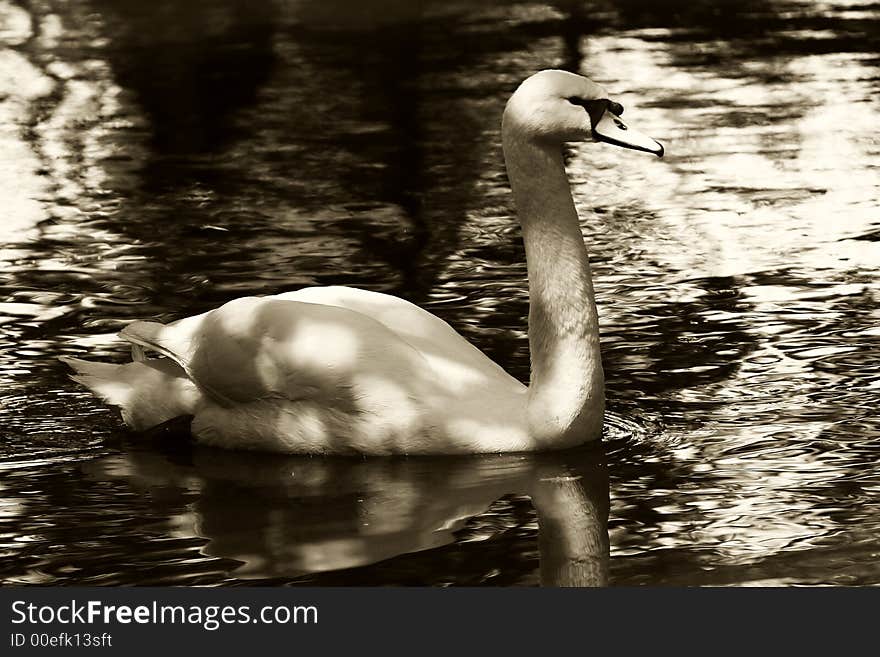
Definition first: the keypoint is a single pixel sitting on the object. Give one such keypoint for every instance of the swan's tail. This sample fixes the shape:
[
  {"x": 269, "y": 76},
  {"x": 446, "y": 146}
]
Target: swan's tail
[
  {"x": 148, "y": 392},
  {"x": 106, "y": 380}
]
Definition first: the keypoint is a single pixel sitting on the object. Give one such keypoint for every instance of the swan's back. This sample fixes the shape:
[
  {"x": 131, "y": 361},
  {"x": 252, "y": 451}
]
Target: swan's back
[{"x": 451, "y": 356}]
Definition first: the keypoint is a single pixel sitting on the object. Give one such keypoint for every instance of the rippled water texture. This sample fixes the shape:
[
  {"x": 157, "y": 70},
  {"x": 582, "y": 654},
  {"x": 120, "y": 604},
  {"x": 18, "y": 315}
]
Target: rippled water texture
[{"x": 160, "y": 158}]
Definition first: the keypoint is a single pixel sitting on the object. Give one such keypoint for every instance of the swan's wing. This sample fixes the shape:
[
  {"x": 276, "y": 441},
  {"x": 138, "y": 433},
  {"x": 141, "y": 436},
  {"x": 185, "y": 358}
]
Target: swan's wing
[
  {"x": 257, "y": 348},
  {"x": 449, "y": 354}
]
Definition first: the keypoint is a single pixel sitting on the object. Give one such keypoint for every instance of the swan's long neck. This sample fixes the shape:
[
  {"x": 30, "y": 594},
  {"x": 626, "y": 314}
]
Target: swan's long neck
[{"x": 566, "y": 399}]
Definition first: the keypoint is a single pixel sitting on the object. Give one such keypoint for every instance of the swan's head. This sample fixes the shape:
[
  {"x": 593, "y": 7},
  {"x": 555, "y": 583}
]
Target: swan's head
[{"x": 559, "y": 106}]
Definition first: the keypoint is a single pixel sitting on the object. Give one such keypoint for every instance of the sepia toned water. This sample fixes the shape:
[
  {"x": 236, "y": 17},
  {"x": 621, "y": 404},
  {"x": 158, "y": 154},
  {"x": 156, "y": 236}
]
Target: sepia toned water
[{"x": 158, "y": 159}]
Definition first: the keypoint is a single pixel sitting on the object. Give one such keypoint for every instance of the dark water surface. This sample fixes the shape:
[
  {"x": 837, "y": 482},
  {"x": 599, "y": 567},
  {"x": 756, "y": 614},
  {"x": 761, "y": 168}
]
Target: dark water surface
[{"x": 160, "y": 158}]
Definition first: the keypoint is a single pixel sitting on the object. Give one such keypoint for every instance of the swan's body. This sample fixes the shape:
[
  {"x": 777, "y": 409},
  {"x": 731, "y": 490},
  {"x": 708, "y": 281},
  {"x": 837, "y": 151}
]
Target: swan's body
[{"x": 342, "y": 370}]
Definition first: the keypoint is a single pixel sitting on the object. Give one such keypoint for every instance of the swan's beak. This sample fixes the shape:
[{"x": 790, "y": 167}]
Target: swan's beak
[{"x": 612, "y": 130}]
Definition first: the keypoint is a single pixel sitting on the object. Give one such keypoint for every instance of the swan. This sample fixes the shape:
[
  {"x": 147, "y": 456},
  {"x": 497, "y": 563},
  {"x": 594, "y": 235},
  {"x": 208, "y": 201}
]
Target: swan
[{"x": 339, "y": 370}]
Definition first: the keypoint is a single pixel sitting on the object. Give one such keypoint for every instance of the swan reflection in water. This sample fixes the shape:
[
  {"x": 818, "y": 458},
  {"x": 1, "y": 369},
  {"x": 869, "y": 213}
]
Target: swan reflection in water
[{"x": 286, "y": 516}]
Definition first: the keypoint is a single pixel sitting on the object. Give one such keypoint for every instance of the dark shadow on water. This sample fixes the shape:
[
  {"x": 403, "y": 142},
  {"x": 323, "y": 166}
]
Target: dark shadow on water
[
  {"x": 191, "y": 65},
  {"x": 678, "y": 346}
]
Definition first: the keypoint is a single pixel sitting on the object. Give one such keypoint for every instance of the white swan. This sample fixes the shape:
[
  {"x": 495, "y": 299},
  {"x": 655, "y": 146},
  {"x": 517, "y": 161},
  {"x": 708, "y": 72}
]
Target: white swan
[{"x": 340, "y": 370}]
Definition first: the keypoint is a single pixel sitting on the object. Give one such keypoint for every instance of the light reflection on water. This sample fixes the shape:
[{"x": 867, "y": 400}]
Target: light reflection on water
[{"x": 156, "y": 169}]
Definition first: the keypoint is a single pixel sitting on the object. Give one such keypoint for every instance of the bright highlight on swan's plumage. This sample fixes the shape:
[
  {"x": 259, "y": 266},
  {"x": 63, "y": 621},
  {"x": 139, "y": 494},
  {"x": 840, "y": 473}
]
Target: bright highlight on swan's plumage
[{"x": 343, "y": 370}]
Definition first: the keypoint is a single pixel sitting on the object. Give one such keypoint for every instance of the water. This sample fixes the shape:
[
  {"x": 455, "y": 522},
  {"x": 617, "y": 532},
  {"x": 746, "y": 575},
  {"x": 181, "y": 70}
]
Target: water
[{"x": 157, "y": 162}]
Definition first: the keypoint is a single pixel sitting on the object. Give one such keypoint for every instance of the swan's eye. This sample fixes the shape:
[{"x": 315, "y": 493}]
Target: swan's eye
[{"x": 598, "y": 104}]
